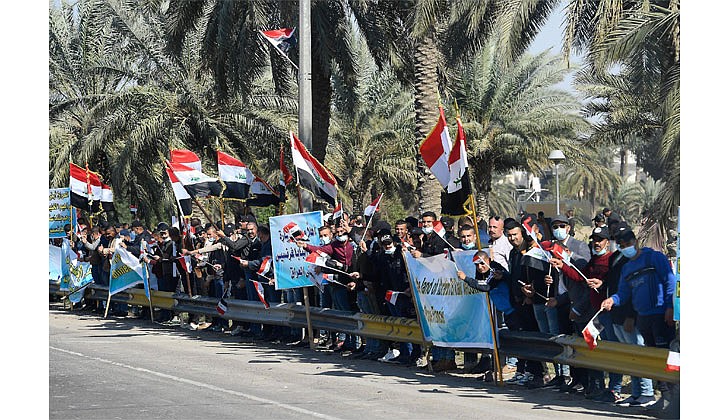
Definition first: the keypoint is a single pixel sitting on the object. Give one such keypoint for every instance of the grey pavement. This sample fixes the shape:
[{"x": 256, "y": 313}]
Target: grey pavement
[{"x": 127, "y": 368}]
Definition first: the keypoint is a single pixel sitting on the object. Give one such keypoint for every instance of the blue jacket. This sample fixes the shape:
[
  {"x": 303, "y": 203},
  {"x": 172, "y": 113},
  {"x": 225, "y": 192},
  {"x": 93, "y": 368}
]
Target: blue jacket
[{"x": 648, "y": 281}]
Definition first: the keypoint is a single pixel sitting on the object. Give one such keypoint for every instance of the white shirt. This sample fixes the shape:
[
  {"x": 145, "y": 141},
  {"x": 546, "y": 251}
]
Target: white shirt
[{"x": 500, "y": 250}]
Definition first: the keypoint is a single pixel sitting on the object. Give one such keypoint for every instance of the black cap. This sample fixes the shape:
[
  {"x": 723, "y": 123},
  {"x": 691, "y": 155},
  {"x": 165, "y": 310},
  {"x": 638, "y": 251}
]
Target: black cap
[
  {"x": 124, "y": 232},
  {"x": 387, "y": 239},
  {"x": 162, "y": 226},
  {"x": 606, "y": 209},
  {"x": 598, "y": 218},
  {"x": 136, "y": 223},
  {"x": 599, "y": 233},
  {"x": 381, "y": 225},
  {"x": 622, "y": 232},
  {"x": 413, "y": 222}
]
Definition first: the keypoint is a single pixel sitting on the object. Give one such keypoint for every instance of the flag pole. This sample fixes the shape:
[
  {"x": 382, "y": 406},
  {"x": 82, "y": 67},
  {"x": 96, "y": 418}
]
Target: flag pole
[
  {"x": 494, "y": 331},
  {"x": 369, "y": 223}
]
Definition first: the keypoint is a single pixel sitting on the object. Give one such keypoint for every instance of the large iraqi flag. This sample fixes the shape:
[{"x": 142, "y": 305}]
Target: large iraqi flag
[
  {"x": 195, "y": 182},
  {"x": 435, "y": 151},
  {"x": 262, "y": 194},
  {"x": 458, "y": 190},
  {"x": 312, "y": 175},
  {"x": 187, "y": 158},
  {"x": 86, "y": 189},
  {"x": 236, "y": 176}
]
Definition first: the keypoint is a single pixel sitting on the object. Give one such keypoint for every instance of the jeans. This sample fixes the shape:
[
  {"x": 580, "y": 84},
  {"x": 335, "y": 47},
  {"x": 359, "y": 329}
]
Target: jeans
[
  {"x": 548, "y": 322},
  {"x": 640, "y": 386},
  {"x": 294, "y": 296},
  {"x": 408, "y": 352},
  {"x": 217, "y": 288},
  {"x": 608, "y": 334},
  {"x": 340, "y": 300},
  {"x": 656, "y": 333},
  {"x": 366, "y": 307}
]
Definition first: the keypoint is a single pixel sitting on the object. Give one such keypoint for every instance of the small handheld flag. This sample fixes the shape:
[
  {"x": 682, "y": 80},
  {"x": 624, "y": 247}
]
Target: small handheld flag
[
  {"x": 673, "y": 362},
  {"x": 592, "y": 330},
  {"x": 391, "y": 296},
  {"x": 261, "y": 293},
  {"x": 221, "y": 306},
  {"x": 373, "y": 207},
  {"x": 265, "y": 267}
]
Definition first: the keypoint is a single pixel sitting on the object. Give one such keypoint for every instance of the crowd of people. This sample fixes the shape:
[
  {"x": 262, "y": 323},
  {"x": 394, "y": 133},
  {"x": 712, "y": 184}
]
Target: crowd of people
[{"x": 632, "y": 286}]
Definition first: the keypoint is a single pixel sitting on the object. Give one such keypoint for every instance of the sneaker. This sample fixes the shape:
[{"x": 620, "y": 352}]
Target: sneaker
[
  {"x": 526, "y": 378},
  {"x": 608, "y": 396},
  {"x": 515, "y": 379},
  {"x": 487, "y": 377},
  {"x": 626, "y": 402},
  {"x": 215, "y": 328},
  {"x": 391, "y": 354},
  {"x": 421, "y": 362},
  {"x": 236, "y": 331},
  {"x": 555, "y": 381},
  {"x": 192, "y": 326},
  {"x": 643, "y": 401},
  {"x": 572, "y": 388}
]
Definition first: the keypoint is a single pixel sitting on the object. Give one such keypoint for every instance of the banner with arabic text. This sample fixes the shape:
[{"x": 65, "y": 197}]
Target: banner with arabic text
[{"x": 289, "y": 261}]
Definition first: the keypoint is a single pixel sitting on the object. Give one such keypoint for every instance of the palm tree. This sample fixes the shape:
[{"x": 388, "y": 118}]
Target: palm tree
[
  {"x": 643, "y": 38},
  {"x": 513, "y": 117},
  {"x": 593, "y": 183},
  {"x": 234, "y": 51},
  {"x": 167, "y": 104},
  {"x": 370, "y": 149},
  {"x": 424, "y": 40}
]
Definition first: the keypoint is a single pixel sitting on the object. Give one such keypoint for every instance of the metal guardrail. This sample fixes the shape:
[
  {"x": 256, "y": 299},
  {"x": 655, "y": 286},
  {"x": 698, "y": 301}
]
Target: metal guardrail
[{"x": 647, "y": 362}]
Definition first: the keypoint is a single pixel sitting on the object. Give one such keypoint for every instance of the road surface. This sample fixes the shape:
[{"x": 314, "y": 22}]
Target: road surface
[{"x": 127, "y": 368}]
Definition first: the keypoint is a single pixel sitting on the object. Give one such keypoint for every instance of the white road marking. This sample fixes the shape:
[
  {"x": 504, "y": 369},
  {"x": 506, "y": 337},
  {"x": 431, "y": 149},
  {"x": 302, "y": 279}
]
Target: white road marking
[{"x": 204, "y": 385}]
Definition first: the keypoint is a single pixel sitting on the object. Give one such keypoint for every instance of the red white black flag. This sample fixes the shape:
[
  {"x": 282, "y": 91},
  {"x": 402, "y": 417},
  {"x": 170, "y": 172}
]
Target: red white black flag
[
  {"x": 236, "y": 176},
  {"x": 312, "y": 175},
  {"x": 195, "y": 182},
  {"x": 458, "y": 191},
  {"x": 435, "y": 151},
  {"x": 187, "y": 158},
  {"x": 184, "y": 200}
]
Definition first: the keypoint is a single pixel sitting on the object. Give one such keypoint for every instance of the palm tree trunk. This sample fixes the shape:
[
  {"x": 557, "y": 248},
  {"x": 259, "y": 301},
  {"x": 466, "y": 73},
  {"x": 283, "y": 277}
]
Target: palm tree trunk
[
  {"x": 483, "y": 186},
  {"x": 426, "y": 59},
  {"x": 321, "y": 105},
  {"x": 622, "y": 162}
]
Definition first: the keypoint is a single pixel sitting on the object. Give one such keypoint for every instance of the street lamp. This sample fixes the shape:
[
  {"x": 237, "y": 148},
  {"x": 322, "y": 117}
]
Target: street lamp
[{"x": 557, "y": 156}]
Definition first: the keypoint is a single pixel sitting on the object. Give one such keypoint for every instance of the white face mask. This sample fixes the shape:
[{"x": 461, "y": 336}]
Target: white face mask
[
  {"x": 560, "y": 234},
  {"x": 428, "y": 230},
  {"x": 469, "y": 246},
  {"x": 325, "y": 240},
  {"x": 599, "y": 253},
  {"x": 390, "y": 251},
  {"x": 342, "y": 238}
]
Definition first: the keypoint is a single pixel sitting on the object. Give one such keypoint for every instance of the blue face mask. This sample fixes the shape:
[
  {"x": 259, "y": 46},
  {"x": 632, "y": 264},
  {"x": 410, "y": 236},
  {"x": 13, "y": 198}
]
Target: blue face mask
[
  {"x": 628, "y": 252},
  {"x": 469, "y": 246},
  {"x": 598, "y": 253},
  {"x": 560, "y": 234},
  {"x": 390, "y": 251},
  {"x": 325, "y": 240}
]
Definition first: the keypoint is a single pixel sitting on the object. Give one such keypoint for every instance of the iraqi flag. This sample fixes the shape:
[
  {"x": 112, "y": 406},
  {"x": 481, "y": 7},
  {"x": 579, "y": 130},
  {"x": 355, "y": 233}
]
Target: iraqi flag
[
  {"x": 281, "y": 39},
  {"x": 673, "y": 362},
  {"x": 458, "y": 191},
  {"x": 187, "y": 158},
  {"x": 391, "y": 296},
  {"x": 262, "y": 194},
  {"x": 312, "y": 175},
  {"x": 261, "y": 293},
  {"x": 530, "y": 229},
  {"x": 317, "y": 258},
  {"x": 591, "y": 332},
  {"x": 265, "y": 267},
  {"x": 186, "y": 263},
  {"x": 372, "y": 208},
  {"x": 236, "y": 176},
  {"x": 337, "y": 214},
  {"x": 85, "y": 188},
  {"x": 184, "y": 200},
  {"x": 435, "y": 151},
  {"x": 221, "y": 306},
  {"x": 294, "y": 232},
  {"x": 439, "y": 228},
  {"x": 195, "y": 182},
  {"x": 107, "y": 198}
]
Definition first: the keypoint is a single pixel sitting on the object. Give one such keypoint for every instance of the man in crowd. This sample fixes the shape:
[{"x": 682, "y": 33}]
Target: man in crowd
[{"x": 648, "y": 280}]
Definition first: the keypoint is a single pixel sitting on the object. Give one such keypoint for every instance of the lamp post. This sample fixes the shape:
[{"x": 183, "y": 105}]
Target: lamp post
[{"x": 557, "y": 156}]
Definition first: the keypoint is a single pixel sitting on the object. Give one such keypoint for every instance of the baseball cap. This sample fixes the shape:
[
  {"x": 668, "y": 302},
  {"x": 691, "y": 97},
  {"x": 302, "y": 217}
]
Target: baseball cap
[
  {"x": 622, "y": 232},
  {"x": 447, "y": 222},
  {"x": 136, "y": 223},
  {"x": 598, "y": 218},
  {"x": 599, "y": 233},
  {"x": 124, "y": 232},
  {"x": 162, "y": 226},
  {"x": 387, "y": 239},
  {"x": 559, "y": 218}
]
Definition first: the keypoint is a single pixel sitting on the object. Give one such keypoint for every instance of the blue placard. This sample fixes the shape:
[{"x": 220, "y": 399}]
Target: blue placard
[
  {"x": 60, "y": 212},
  {"x": 676, "y": 296},
  {"x": 452, "y": 314},
  {"x": 289, "y": 266}
]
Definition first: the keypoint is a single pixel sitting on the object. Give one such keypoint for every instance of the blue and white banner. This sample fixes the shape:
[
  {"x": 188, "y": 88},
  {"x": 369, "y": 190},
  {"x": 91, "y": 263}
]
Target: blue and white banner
[
  {"x": 54, "y": 263},
  {"x": 289, "y": 266},
  {"x": 68, "y": 260},
  {"x": 452, "y": 314},
  {"x": 60, "y": 212},
  {"x": 126, "y": 271}
]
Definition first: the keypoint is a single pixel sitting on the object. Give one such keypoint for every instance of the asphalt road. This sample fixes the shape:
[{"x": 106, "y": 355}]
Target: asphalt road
[{"x": 132, "y": 369}]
